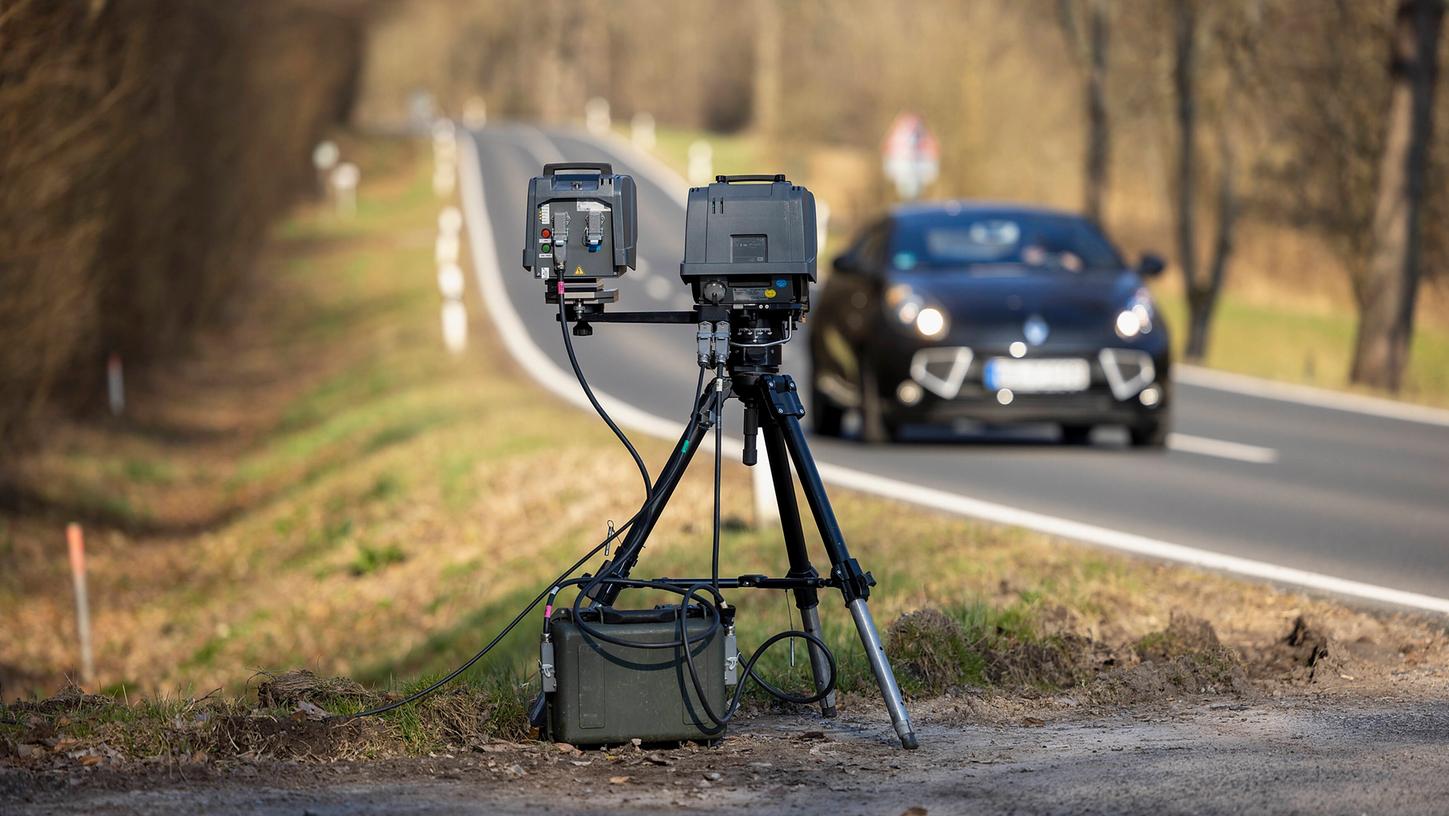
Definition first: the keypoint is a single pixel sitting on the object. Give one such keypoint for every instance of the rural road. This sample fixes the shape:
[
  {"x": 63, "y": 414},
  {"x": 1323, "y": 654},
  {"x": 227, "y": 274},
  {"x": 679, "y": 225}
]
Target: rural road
[{"x": 1283, "y": 486}]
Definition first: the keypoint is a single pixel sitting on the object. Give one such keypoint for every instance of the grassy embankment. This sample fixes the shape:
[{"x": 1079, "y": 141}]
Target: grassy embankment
[
  {"x": 1263, "y": 327},
  {"x": 324, "y": 487}
]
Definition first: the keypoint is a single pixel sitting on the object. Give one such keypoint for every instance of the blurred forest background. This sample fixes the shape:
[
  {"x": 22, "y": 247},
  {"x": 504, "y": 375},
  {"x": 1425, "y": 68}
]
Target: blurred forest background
[{"x": 1275, "y": 148}]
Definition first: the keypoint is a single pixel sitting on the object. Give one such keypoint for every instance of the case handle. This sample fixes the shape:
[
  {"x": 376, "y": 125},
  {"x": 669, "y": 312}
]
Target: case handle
[
  {"x": 776, "y": 177},
  {"x": 604, "y": 168}
]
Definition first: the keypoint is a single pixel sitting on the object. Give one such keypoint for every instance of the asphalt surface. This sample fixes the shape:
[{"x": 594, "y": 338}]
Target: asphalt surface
[{"x": 1349, "y": 495}]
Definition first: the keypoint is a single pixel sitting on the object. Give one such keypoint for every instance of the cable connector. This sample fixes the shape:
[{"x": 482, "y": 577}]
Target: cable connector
[
  {"x": 545, "y": 665},
  {"x": 732, "y": 658},
  {"x": 713, "y": 339}
]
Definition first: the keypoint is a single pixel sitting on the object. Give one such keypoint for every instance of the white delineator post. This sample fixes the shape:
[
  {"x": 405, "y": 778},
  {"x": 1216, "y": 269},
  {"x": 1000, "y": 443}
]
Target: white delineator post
[
  {"x": 596, "y": 116},
  {"x": 344, "y": 186},
  {"x": 641, "y": 131},
  {"x": 75, "y": 542},
  {"x": 324, "y": 158},
  {"x": 445, "y": 158},
  {"x": 701, "y": 163},
  {"x": 822, "y": 225},
  {"x": 451, "y": 280}
]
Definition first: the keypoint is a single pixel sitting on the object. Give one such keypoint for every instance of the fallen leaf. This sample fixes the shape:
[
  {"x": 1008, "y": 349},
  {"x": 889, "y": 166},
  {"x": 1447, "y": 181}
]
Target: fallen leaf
[{"x": 308, "y": 711}]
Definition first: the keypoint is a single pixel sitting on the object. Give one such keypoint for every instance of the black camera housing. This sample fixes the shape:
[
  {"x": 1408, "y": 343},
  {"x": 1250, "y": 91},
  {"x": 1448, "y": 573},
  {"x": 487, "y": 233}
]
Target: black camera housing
[
  {"x": 749, "y": 242},
  {"x": 582, "y": 227}
]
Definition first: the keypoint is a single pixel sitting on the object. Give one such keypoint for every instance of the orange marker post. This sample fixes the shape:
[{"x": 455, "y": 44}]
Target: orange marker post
[{"x": 76, "y": 541}]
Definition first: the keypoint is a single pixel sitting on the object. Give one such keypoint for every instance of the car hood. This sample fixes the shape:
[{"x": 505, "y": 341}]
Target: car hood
[{"x": 992, "y": 296}]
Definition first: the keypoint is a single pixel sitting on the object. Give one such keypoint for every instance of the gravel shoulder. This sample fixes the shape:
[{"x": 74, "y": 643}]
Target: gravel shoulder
[{"x": 1329, "y": 754}]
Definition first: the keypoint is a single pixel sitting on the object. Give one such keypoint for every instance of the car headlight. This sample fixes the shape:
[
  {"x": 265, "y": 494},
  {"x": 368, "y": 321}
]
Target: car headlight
[
  {"x": 909, "y": 307},
  {"x": 1135, "y": 319}
]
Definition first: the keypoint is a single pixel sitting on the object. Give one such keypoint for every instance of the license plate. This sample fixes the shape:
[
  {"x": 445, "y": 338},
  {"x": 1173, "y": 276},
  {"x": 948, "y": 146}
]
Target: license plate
[{"x": 1037, "y": 376}]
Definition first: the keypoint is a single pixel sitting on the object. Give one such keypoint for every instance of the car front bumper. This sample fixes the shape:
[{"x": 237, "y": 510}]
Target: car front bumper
[{"x": 945, "y": 384}]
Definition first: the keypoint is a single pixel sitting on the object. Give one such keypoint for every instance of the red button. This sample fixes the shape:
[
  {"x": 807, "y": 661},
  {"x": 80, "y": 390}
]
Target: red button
[{"x": 546, "y": 232}]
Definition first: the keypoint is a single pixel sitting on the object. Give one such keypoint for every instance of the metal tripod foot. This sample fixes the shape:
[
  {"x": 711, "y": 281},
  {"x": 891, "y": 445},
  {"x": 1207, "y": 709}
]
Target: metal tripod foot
[
  {"x": 880, "y": 665},
  {"x": 819, "y": 663}
]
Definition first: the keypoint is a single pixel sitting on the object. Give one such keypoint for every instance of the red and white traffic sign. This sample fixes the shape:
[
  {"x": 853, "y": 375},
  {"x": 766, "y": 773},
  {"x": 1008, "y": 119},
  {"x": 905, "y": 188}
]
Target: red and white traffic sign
[{"x": 911, "y": 155}]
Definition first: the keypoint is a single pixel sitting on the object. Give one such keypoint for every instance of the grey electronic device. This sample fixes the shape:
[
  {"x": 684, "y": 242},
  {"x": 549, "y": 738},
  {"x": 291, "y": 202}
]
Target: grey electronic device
[
  {"x": 749, "y": 241},
  {"x": 582, "y": 227}
]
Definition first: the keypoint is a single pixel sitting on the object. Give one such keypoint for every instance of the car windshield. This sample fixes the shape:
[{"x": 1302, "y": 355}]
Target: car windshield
[{"x": 1043, "y": 241}]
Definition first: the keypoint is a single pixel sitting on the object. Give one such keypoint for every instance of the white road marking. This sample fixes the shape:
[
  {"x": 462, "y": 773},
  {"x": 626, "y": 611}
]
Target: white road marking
[
  {"x": 1307, "y": 395},
  {"x": 553, "y": 378},
  {"x": 1187, "y": 443}
]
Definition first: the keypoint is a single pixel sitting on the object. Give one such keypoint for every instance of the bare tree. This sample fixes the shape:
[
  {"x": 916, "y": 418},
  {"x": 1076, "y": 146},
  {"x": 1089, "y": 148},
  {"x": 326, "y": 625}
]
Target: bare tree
[
  {"x": 1387, "y": 298},
  {"x": 769, "y": 40},
  {"x": 1088, "y": 39},
  {"x": 1202, "y": 288}
]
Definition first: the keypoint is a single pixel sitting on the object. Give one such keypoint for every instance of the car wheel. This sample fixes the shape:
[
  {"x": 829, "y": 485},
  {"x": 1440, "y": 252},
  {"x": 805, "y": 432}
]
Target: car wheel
[
  {"x": 1149, "y": 434},
  {"x": 1076, "y": 434},
  {"x": 875, "y": 428},
  {"x": 826, "y": 417}
]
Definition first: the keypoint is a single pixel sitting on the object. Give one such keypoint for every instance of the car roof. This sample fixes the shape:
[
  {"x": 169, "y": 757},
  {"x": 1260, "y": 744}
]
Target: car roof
[{"x": 978, "y": 208}]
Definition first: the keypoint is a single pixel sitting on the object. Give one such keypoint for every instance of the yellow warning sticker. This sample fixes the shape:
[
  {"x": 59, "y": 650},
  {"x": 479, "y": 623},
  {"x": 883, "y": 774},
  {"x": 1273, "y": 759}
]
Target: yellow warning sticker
[
  {"x": 769, "y": 293},
  {"x": 578, "y": 270}
]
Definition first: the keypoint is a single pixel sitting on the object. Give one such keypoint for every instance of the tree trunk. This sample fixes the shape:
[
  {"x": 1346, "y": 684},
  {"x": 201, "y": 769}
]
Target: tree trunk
[
  {"x": 1089, "y": 43},
  {"x": 1184, "y": 69},
  {"x": 1098, "y": 130},
  {"x": 1386, "y": 316},
  {"x": 769, "y": 39},
  {"x": 1203, "y": 298}
]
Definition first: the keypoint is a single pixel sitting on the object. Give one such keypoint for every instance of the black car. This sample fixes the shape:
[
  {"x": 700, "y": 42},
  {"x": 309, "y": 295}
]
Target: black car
[{"x": 999, "y": 314}]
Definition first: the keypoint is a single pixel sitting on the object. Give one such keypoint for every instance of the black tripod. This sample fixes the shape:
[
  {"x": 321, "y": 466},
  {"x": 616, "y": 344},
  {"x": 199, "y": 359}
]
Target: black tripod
[{"x": 750, "y": 372}]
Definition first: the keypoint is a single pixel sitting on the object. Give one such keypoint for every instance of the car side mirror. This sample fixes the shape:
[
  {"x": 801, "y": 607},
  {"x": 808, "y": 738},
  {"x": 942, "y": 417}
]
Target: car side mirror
[{"x": 1151, "y": 265}]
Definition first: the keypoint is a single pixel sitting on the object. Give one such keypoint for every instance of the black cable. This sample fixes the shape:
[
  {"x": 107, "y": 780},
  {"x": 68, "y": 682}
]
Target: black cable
[
  {"x": 448, "y": 678},
  {"x": 733, "y": 706},
  {"x": 628, "y": 556},
  {"x": 718, "y": 456},
  {"x": 552, "y": 588},
  {"x": 589, "y": 392}
]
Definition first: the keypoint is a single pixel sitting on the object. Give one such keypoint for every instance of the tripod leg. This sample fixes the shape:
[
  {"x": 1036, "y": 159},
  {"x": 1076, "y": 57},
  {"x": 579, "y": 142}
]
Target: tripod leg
[
  {"x": 664, "y": 485},
  {"x": 784, "y": 405},
  {"x": 807, "y": 600}
]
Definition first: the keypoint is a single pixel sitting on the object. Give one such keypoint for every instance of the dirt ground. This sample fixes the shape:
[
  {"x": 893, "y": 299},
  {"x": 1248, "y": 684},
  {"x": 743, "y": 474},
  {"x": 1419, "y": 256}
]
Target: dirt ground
[{"x": 1328, "y": 753}]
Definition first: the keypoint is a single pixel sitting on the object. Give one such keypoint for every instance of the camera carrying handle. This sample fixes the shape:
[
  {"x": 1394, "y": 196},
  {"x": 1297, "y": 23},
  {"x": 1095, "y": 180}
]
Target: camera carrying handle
[
  {"x": 751, "y": 177},
  {"x": 603, "y": 168}
]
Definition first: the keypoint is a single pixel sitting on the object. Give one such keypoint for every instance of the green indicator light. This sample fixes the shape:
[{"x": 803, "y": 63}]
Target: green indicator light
[{"x": 685, "y": 447}]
